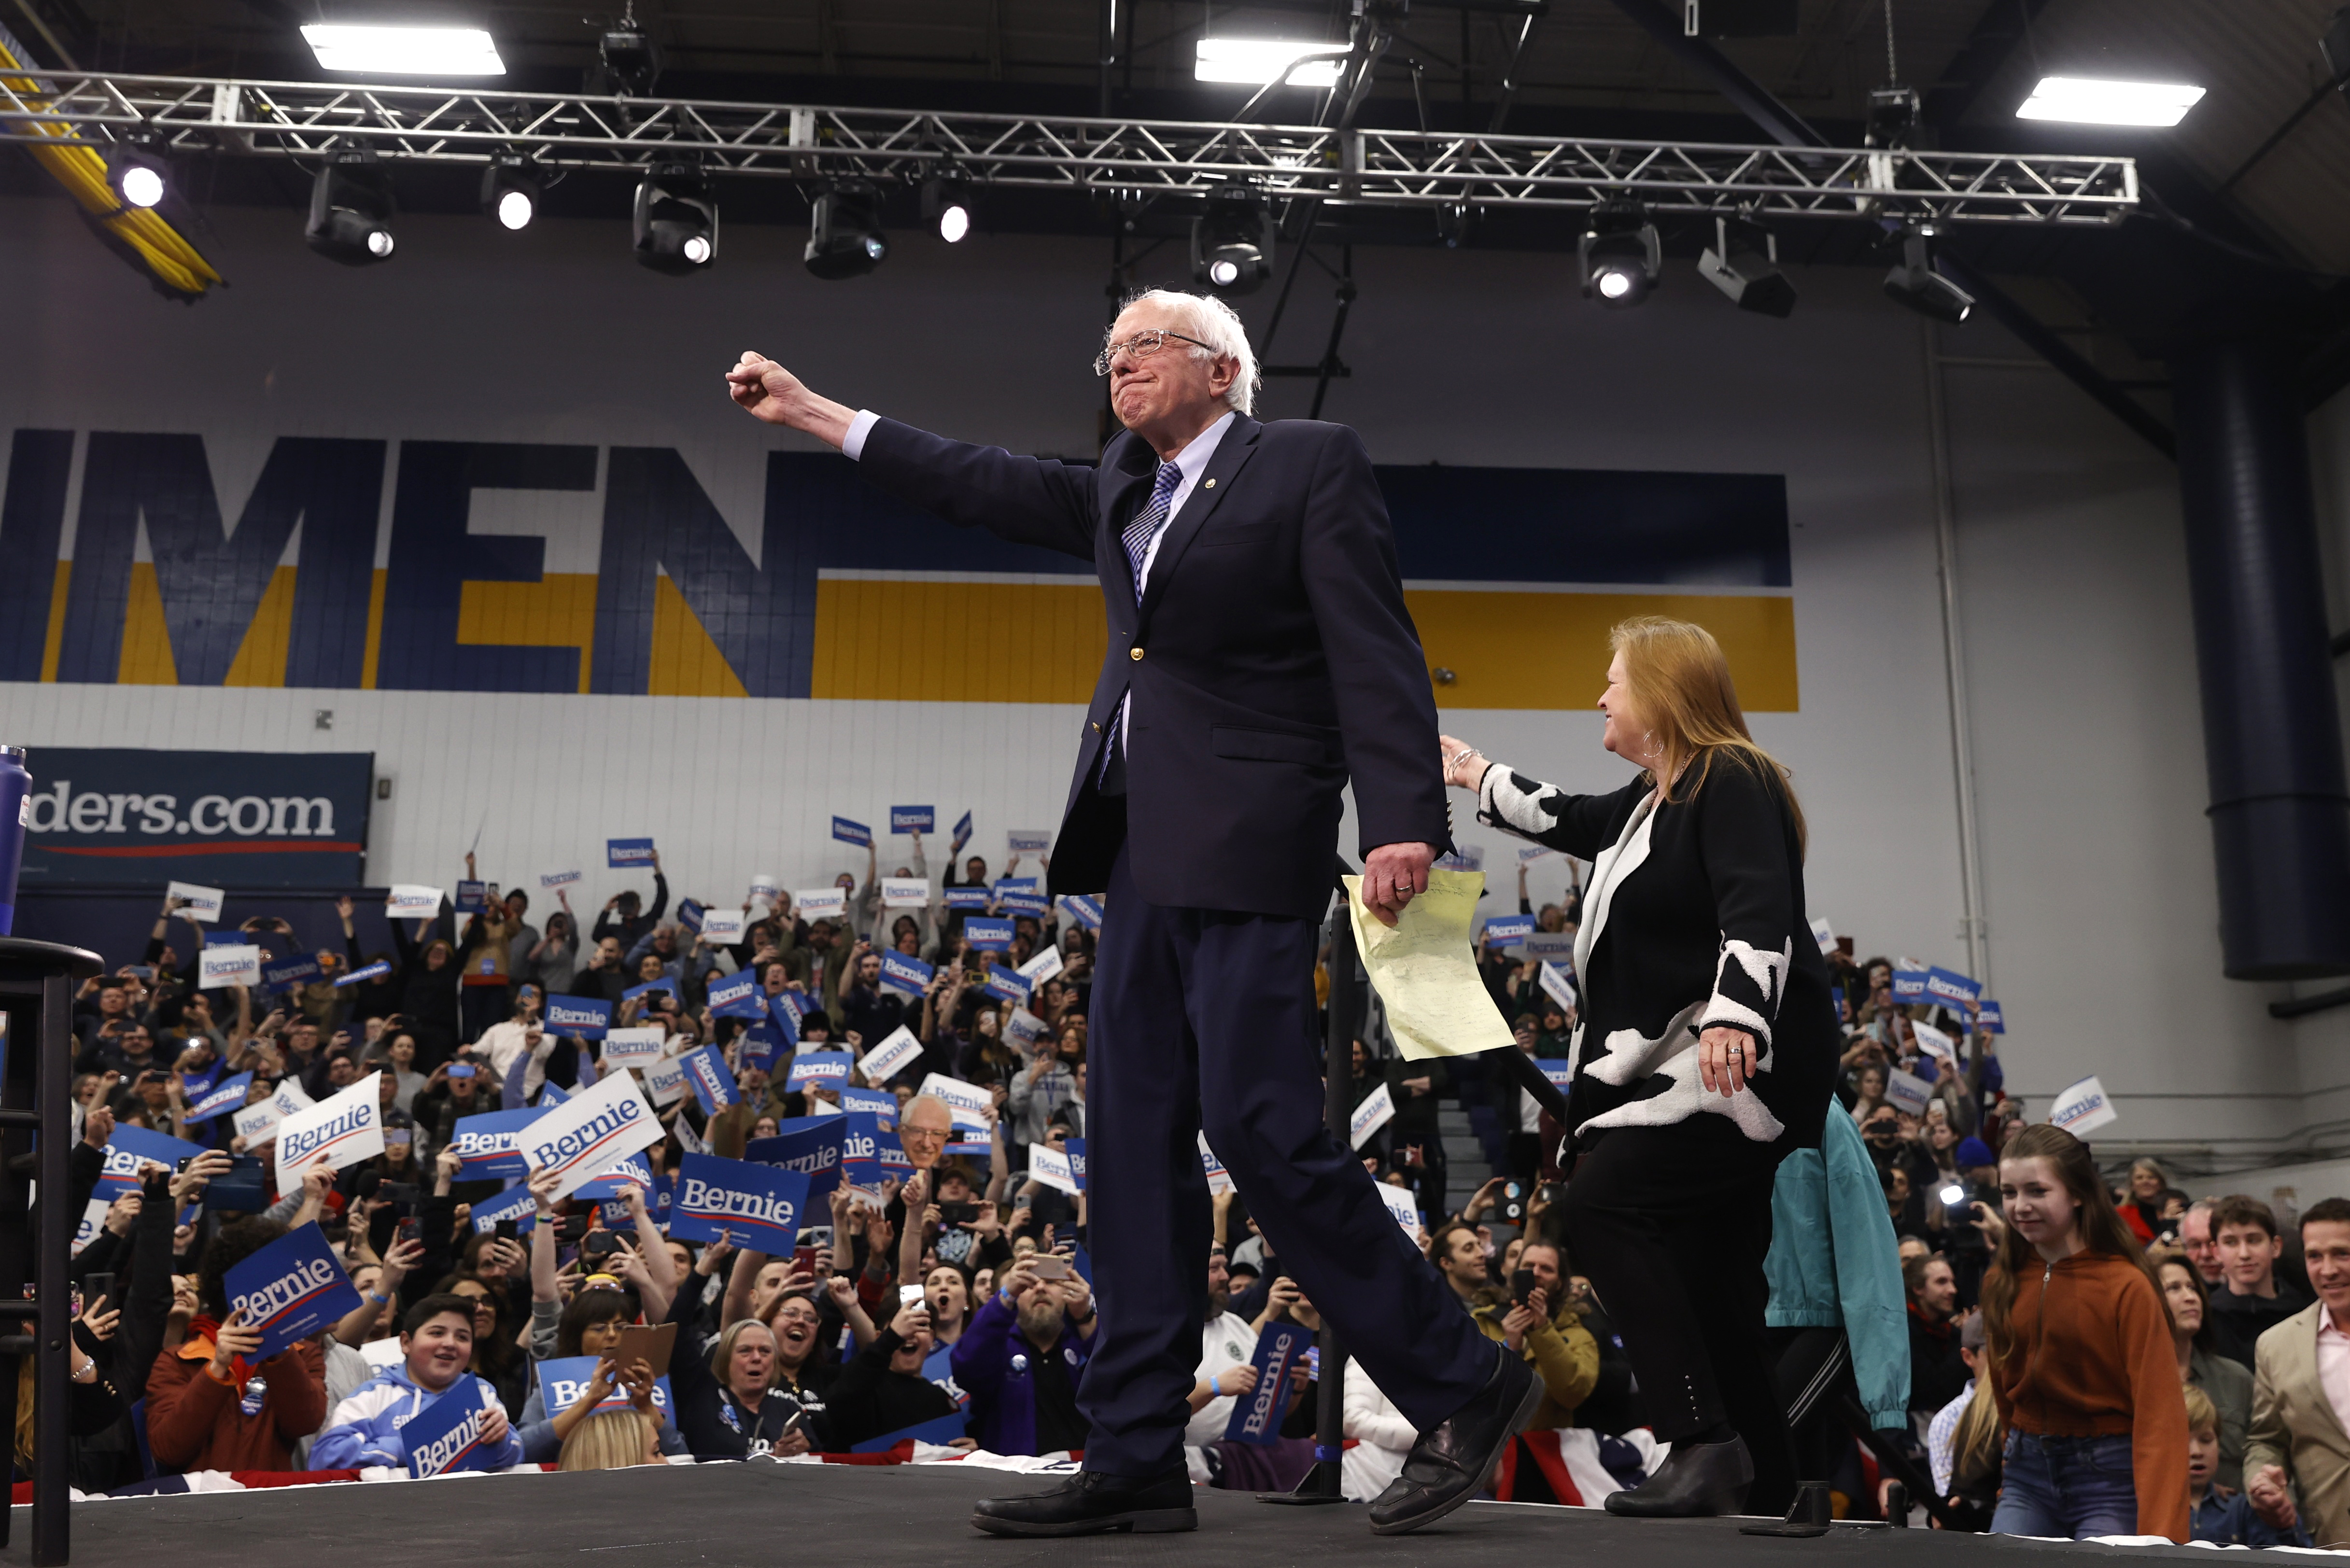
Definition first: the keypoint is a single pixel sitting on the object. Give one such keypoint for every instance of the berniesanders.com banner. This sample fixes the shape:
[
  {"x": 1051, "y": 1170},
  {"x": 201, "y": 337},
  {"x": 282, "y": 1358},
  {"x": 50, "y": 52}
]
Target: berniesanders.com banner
[{"x": 136, "y": 818}]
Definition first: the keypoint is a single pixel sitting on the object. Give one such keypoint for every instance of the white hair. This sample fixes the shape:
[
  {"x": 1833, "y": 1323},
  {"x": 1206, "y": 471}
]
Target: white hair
[{"x": 1216, "y": 325}]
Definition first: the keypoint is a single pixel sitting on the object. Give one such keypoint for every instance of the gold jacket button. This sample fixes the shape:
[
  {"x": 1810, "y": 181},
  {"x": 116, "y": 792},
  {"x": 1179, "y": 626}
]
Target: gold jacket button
[
  {"x": 1136, "y": 655},
  {"x": 1208, "y": 484}
]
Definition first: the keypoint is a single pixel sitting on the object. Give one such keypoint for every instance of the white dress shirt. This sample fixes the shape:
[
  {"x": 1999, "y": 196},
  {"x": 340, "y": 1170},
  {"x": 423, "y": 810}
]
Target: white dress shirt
[{"x": 1191, "y": 463}]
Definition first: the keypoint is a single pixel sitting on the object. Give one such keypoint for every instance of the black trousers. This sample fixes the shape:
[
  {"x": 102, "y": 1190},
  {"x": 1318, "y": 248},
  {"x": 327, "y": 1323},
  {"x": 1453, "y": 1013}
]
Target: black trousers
[
  {"x": 1204, "y": 1022},
  {"x": 1671, "y": 1224}
]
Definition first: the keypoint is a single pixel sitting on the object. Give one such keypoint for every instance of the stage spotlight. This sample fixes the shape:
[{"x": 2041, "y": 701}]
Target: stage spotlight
[
  {"x": 510, "y": 190},
  {"x": 676, "y": 223},
  {"x": 351, "y": 209},
  {"x": 1744, "y": 264},
  {"x": 1453, "y": 221},
  {"x": 628, "y": 59},
  {"x": 1621, "y": 255},
  {"x": 947, "y": 200},
  {"x": 1917, "y": 285},
  {"x": 137, "y": 169},
  {"x": 1231, "y": 242},
  {"x": 845, "y": 238}
]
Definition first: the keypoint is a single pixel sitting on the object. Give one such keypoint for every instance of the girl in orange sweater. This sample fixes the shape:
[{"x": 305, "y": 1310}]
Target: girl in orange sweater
[{"x": 2082, "y": 1360}]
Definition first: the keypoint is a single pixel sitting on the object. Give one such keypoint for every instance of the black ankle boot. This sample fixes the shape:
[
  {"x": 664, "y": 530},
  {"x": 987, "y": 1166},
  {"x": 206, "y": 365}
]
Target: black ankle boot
[{"x": 1696, "y": 1480}]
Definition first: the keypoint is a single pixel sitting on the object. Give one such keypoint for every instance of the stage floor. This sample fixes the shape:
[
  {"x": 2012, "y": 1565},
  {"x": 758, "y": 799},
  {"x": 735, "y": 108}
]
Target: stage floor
[{"x": 758, "y": 1515}]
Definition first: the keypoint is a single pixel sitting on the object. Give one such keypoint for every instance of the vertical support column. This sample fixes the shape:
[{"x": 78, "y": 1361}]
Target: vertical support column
[
  {"x": 53, "y": 1249},
  {"x": 2272, "y": 733}
]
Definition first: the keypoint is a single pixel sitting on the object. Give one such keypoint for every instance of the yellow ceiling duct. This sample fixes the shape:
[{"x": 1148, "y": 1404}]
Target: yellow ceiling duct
[{"x": 139, "y": 234}]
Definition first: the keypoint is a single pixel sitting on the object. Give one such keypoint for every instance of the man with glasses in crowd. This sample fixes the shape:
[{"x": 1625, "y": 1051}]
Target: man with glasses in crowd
[{"x": 1261, "y": 658}]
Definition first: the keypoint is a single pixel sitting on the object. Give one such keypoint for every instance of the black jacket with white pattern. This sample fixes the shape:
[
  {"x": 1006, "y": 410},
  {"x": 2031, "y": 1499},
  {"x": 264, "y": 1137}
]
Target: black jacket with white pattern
[{"x": 1694, "y": 918}]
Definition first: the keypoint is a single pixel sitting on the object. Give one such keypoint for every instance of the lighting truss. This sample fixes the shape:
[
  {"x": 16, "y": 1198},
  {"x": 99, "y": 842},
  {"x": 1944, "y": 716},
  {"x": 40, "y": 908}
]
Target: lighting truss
[{"x": 1131, "y": 161}]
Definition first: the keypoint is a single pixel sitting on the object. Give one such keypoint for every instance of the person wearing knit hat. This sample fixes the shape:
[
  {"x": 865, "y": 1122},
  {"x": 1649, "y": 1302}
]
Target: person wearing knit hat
[{"x": 1973, "y": 1152}]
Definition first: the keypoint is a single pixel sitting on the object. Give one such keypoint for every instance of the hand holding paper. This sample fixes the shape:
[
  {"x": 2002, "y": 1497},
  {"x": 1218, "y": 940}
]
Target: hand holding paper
[{"x": 1421, "y": 964}]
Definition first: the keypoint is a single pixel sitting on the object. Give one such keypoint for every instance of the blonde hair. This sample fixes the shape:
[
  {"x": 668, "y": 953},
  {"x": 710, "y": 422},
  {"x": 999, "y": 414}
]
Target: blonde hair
[
  {"x": 612, "y": 1441},
  {"x": 1680, "y": 682},
  {"x": 2202, "y": 1416}
]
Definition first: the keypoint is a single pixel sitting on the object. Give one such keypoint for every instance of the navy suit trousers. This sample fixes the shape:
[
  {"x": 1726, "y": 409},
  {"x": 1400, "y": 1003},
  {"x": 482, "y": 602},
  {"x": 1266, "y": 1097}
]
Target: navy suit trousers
[{"x": 1204, "y": 1021}]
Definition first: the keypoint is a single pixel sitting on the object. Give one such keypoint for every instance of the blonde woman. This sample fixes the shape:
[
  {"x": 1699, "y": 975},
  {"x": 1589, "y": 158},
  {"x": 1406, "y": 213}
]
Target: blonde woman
[
  {"x": 1706, "y": 1050},
  {"x": 614, "y": 1440}
]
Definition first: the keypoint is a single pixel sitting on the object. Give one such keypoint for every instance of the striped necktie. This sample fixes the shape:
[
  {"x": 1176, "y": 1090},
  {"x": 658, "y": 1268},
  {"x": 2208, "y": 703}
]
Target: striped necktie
[{"x": 1149, "y": 520}]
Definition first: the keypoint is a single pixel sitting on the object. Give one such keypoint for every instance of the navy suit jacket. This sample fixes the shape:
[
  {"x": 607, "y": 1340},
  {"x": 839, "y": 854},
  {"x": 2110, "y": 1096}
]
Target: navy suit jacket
[{"x": 1271, "y": 657}]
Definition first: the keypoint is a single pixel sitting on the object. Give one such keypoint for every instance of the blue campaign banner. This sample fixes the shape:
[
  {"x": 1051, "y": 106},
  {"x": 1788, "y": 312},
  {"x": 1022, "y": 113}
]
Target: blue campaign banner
[
  {"x": 375, "y": 970},
  {"x": 737, "y": 996},
  {"x": 1087, "y": 910},
  {"x": 802, "y": 1005},
  {"x": 905, "y": 974},
  {"x": 878, "y": 1103},
  {"x": 943, "y": 1430},
  {"x": 810, "y": 1145},
  {"x": 689, "y": 914},
  {"x": 664, "y": 1197},
  {"x": 868, "y": 1154},
  {"x": 968, "y": 899},
  {"x": 1945, "y": 986},
  {"x": 447, "y": 1438},
  {"x": 913, "y": 819},
  {"x": 127, "y": 818},
  {"x": 514, "y": 1204},
  {"x": 289, "y": 1290},
  {"x": 1017, "y": 885},
  {"x": 633, "y": 1169},
  {"x": 1024, "y": 904},
  {"x": 650, "y": 986},
  {"x": 472, "y": 898},
  {"x": 585, "y": 1015},
  {"x": 222, "y": 1098},
  {"x": 1075, "y": 1148},
  {"x": 1503, "y": 931},
  {"x": 761, "y": 1043},
  {"x": 551, "y": 1094},
  {"x": 976, "y": 1151},
  {"x": 1909, "y": 986},
  {"x": 489, "y": 1147},
  {"x": 713, "y": 1082},
  {"x": 784, "y": 1012},
  {"x": 829, "y": 1068},
  {"x": 1005, "y": 985},
  {"x": 756, "y": 1206},
  {"x": 1993, "y": 1019},
  {"x": 849, "y": 831},
  {"x": 988, "y": 936},
  {"x": 563, "y": 1382},
  {"x": 1559, "y": 1070},
  {"x": 287, "y": 974},
  {"x": 627, "y": 854},
  {"x": 1256, "y": 1415},
  {"x": 962, "y": 834},
  {"x": 131, "y": 1147}
]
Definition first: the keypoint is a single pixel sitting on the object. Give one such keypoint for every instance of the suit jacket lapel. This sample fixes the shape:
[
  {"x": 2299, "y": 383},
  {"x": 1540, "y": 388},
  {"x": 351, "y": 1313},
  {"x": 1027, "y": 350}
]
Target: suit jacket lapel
[{"x": 1231, "y": 453}]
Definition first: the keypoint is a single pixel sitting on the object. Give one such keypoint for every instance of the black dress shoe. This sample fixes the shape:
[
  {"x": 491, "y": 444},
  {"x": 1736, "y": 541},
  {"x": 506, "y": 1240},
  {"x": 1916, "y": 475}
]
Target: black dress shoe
[
  {"x": 1091, "y": 1503},
  {"x": 1696, "y": 1480},
  {"x": 1452, "y": 1463}
]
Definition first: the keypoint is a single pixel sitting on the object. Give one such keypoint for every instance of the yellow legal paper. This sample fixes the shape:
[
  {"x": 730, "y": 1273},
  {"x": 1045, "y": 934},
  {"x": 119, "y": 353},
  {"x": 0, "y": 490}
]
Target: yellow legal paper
[{"x": 1425, "y": 969}]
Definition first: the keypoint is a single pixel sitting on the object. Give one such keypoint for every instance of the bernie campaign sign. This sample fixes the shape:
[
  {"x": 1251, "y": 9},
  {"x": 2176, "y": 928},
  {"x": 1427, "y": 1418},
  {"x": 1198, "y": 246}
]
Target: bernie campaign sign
[
  {"x": 588, "y": 1134},
  {"x": 448, "y": 1437},
  {"x": 988, "y": 936},
  {"x": 905, "y": 974},
  {"x": 290, "y": 1290},
  {"x": 583, "y": 1015},
  {"x": 913, "y": 818},
  {"x": 713, "y": 1085},
  {"x": 514, "y": 1204},
  {"x": 828, "y": 1068},
  {"x": 338, "y": 1131},
  {"x": 222, "y": 1098},
  {"x": 812, "y": 1145},
  {"x": 878, "y": 1103},
  {"x": 849, "y": 831},
  {"x": 755, "y": 1206},
  {"x": 967, "y": 898},
  {"x": 563, "y": 1382},
  {"x": 128, "y": 1149},
  {"x": 899, "y": 1051},
  {"x": 489, "y": 1147},
  {"x": 737, "y": 996},
  {"x": 962, "y": 834},
  {"x": 627, "y": 854},
  {"x": 1256, "y": 1415},
  {"x": 375, "y": 970}
]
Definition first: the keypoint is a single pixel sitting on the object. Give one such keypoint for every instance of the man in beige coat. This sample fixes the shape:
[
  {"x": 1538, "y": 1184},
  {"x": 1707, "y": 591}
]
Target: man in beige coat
[{"x": 2301, "y": 1392}]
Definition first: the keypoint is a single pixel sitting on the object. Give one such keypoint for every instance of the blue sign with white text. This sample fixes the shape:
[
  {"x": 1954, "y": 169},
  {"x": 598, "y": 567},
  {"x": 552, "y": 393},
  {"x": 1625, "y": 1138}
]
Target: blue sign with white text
[
  {"x": 584, "y": 1015},
  {"x": 223, "y": 1097},
  {"x": 1087, "y": 910},
  {"x": 375, "y": 970},
  {"x": 829, "y": 1068},
  {"x": 514, "y": 1204},
  {"x": 880, "y": 1104},
  {"x": 489, "y": 1146},
  {"x": 988, "y": 936},
  {"x": 756, "y": 1206},
  {"x": 849, "y": 831},
  {"x": 1257, "y": 1415},
  {"x": 1951, "y": 988},
  {"x": 810, "y": 1145},
  {"x": 1024, "y": 904},
  {"x": 131, "y": 1147},
  {"x": 289, "y": 1290},
  {"x": 905, "y": 974},
  {"x": 564, "y": 1380},
  {"x": 131, "y": 817},
  {"x": 1504, "y": 930},
  {"x": 737, "y": 996},
  {"x": 627, "y": 853},
  {"x": 913, "y": 818},
  {"x": 962, "y": 834},
  {"x": 447, "y": 1437},
  {"x": 287, "y": 974},
  {"x": 712, "y": 1083},
  {"x": 967, "y": 898}
]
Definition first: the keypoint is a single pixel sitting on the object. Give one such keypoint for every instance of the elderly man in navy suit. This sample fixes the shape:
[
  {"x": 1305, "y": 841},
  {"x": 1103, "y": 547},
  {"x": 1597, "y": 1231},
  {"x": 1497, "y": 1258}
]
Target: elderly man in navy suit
[{"x": 1259, "y": 657}]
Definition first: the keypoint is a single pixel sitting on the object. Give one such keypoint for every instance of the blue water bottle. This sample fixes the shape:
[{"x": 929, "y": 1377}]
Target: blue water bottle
[{"x": 15, "y": 812}]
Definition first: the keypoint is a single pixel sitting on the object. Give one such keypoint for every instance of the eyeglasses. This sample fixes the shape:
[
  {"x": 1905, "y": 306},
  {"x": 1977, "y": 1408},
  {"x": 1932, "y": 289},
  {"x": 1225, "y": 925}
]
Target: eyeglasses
[
  {"x": 1142, "y": 345},
  {"x": 925, "y": 1134}
]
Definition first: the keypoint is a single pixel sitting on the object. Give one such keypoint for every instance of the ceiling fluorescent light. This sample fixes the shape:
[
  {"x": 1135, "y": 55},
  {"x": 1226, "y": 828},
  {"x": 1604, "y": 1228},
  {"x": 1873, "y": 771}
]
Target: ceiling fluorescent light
[
  {"x": 405, "y": 51},
  {"x": 1259, "y": 62},
  {"x": 2086, "y": 101}
]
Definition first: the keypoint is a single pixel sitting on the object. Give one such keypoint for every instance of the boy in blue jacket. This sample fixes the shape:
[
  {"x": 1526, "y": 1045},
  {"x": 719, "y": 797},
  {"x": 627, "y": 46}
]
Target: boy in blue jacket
[{"x": 437, "y": 1340}]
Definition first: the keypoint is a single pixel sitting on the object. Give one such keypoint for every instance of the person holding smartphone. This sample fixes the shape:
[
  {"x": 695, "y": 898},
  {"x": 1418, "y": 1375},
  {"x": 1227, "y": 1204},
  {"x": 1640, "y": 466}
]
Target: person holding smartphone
[{"x": 1022, "y": 1356}]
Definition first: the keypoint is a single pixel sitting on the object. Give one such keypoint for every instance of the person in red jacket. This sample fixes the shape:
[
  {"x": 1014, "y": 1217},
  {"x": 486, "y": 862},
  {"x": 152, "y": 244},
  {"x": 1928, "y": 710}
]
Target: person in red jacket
[
  {"x": 210, "y": 1409},
  {"x": 2082, "y": 1363}
]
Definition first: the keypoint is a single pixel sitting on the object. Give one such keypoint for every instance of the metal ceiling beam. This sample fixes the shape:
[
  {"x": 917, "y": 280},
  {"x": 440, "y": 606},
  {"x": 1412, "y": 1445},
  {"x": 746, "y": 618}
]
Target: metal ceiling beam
[
  {"x": 1754, "y": 100},
  {"x": 2005, "y": 309},
  {"x": 1108, "y": 157}
]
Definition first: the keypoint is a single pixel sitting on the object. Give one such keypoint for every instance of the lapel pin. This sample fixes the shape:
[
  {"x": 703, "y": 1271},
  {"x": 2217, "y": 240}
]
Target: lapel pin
[{"x": 1210, "y": 484}]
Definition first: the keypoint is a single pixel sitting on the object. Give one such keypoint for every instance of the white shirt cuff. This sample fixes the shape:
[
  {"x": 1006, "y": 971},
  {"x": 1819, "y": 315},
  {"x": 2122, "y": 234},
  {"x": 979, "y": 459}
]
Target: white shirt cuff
[{"x": 852, "y": 446}]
